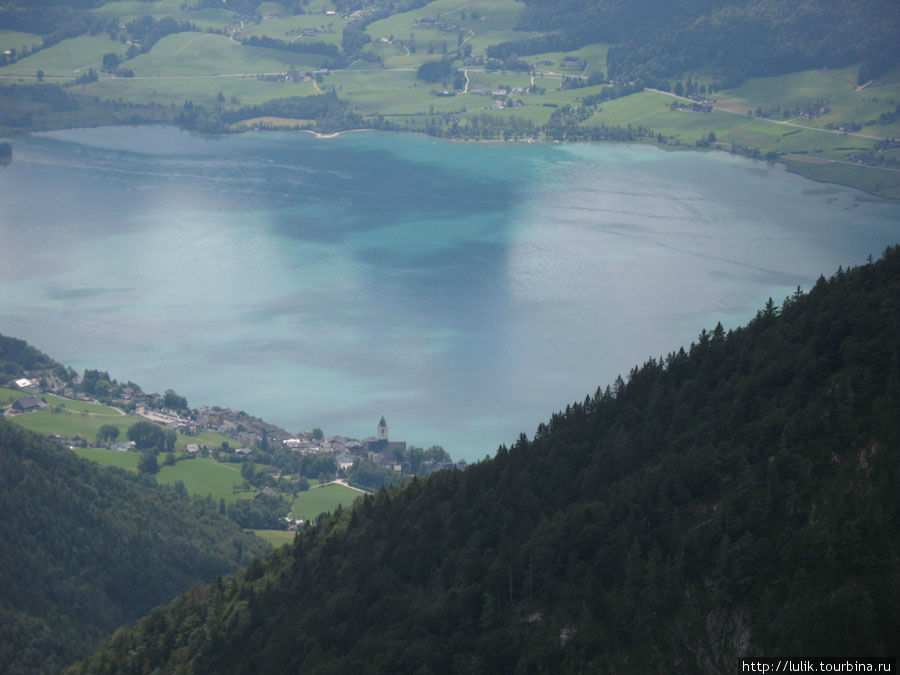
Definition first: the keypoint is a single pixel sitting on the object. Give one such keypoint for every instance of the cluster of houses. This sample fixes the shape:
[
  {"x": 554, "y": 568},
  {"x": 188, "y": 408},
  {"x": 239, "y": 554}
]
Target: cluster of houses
[{"x": 245, "y": 429}]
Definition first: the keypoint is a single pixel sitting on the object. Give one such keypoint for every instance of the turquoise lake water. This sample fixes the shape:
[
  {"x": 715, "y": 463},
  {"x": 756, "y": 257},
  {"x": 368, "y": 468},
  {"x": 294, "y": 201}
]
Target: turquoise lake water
[{"x": 464, "y": 291}]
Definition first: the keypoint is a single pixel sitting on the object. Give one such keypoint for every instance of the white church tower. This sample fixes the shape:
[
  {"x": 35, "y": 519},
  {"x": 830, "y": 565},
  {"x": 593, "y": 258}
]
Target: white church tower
[{"x": 382, "y": 435}]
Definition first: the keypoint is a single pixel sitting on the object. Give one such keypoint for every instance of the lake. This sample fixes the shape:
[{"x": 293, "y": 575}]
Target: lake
[{"x": 465, "y": 291}]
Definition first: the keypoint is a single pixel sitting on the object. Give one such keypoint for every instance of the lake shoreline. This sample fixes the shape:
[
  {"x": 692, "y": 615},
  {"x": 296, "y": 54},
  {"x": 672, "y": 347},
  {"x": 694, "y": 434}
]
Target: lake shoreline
[{"x": 793, "y": 167}]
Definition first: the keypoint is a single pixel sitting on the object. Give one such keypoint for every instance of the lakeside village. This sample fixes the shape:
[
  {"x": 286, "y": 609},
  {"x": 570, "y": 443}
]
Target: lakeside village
[{"x": 363, "y": 463}]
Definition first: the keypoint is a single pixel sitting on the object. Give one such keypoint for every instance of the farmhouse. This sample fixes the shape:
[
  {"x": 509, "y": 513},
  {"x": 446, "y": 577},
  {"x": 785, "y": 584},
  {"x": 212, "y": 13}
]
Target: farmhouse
[{"x": 28, "y": 404}]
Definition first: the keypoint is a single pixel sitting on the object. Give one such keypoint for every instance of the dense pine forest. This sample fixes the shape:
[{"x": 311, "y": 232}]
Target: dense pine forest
[
  {"x": 736, "y": 498},
  {"x": 86, "y": 549}
]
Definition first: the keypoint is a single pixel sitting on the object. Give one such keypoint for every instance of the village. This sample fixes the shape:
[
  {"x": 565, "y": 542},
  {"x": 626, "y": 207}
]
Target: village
[{"x": 249, "y": 434}]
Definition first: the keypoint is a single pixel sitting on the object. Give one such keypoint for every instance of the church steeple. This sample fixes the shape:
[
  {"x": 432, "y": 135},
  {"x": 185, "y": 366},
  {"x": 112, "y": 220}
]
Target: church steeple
[{"x": 382, "y": 432}]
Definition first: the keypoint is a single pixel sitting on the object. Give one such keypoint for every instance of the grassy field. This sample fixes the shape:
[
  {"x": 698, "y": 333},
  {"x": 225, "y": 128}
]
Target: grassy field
[
  {"x": 287, "y": 28},
  {"x": 68, "y": 423},
  {"x": 191, "y": 54},
  {"x": 11, "y": 39},
  {"x": 129, "y": 10},
  {"x": 326, "y": 498},
  {"x": 847, "y": 102},
  {"x": 123, "y": 460},
  {"x": 275, "y": 537},
  {"x": 203, "y": 476},
  {"x": 66, "y": 59},
  {"x": 8, "y": 395},
  {"x": 69, "y": 417}
]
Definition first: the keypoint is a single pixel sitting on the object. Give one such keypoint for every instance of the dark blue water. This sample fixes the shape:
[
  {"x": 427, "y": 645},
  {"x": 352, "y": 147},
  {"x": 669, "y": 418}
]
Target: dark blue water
[{"x": 463, "y": 291}]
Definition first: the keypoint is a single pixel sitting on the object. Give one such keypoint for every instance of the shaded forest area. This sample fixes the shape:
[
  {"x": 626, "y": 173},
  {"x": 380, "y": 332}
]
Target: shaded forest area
[
  {"x": 86, "y": 549},
  {"x": 736, "y": 498}
]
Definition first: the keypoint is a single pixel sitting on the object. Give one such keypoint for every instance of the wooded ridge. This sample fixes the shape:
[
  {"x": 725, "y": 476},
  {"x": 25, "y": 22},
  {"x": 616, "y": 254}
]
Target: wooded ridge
[{"x": 736, "y": 498}]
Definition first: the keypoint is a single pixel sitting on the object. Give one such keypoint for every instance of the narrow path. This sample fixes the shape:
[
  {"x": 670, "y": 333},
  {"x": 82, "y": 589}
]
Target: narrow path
[
  {"x": 341, "y": 481},
  {"x": 466, "y": 73}
]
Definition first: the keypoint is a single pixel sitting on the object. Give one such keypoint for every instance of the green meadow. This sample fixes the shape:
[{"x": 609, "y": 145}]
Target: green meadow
[
  {"x": 129, "y": 10},
  {"x": 288, "y": 28},
  {"x": 66, "y": 59},
  {"x": 192, "y": 54},
  {"x": 275, "y": 537},
  {"x": 122, "y": 460},
  {"x": 203, "y": 476},
  {"x": 326, "y": 498},
  {"x": 12, "y": 39}
]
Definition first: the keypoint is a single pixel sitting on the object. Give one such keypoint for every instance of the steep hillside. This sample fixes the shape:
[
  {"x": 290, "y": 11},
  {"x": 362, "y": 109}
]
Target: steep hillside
[
  {"x": 732, "y": 38},
  {"x": 735, "y": 498},
  {"x": 86, "y": 549}
]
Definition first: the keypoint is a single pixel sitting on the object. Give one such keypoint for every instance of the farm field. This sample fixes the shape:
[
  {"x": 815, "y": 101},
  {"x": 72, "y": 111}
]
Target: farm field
[
  {"x": 275, "y": 537},
  {"x": 12, "y": 39},
  {"x": 66, "y": 59},
  {"x": 69, "y": 417},
  {"x": 191, "y": 54},
  {"x": 288, "y": 28},
  {"x": 122, "y": 460},
  {"x": 68, "y": 423},
  {"x": 326, "y": 498},
  {"x": 203, "y": 476},
  {"x": 129, "y": 10}
]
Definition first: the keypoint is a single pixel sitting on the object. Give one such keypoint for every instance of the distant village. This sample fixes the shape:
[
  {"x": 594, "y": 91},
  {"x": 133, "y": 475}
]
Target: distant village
[{"x": 249, "y": 433}]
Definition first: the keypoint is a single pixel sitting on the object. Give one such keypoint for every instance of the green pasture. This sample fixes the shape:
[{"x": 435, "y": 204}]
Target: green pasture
[
  {"x": 81, "y": 406},
  {"x": 639, "y": 108},
  {"x": 326, "y": 498},
  {"x": 129, "y": 10},
  {"x": 211, "y": 439},
  {"x": 388, "y": 92},
  {"x": 68, "y": 423},
  {"x": 203, "y": 476},
  {"x": 848, "y": 103},
  {"x": 66, "y": 59},
  {"x": 123, "y": 460},
  {"x": 190, "y": 54},
  {"x": 275, "y": 537},
  {"x": 793, "y": 89},
  {"x": 594, "y": 54},
  {"x": 494, "y": 25},
  {"x": 12, "y": 39},
  {"x": 203, "y": 90},
  {"x": 489, "y": 81},
  {"x": 288, "y": 28},
  {"x": 394, "y": 55},
  {"x": 8, "y": 395}
]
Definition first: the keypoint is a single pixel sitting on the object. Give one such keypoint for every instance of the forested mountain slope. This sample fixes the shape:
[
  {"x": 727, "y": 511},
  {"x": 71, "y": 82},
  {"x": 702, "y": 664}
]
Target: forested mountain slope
[
  {"x": 732, "y": 38},
  {"x": 737, "y": 498},
  {"x": 85, "y": 549}
]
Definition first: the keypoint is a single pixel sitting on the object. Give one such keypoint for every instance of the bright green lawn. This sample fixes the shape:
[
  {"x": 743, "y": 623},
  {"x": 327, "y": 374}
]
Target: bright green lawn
[
  {"x": 203, "y": 476},
  {"x": 276, "y": 537},
  {"x": 8, "y": 395},
  {"x": 129, "y": 10},
  {"x": 123, "y": 460},
  {"x": 69, "y": 423},
  {"x": 203, "y": 90},
  {"x": 287, "y": 28},
  {"x": 847, "y": 102},
  {"x": 11, "y": 39},
  {"x": 67, "y": 59},
  {"x": 310, "y": 504}
]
